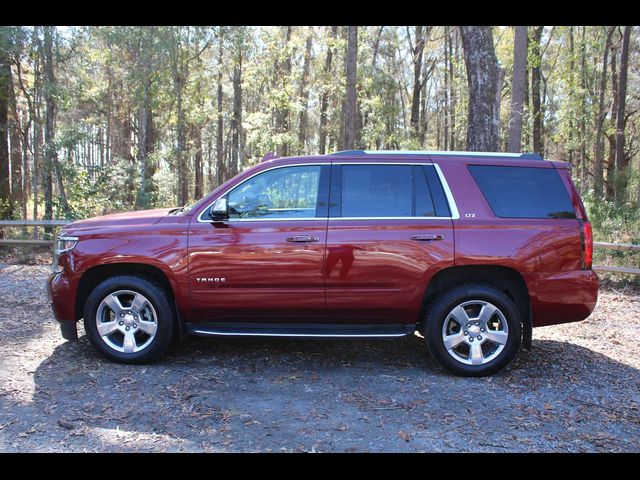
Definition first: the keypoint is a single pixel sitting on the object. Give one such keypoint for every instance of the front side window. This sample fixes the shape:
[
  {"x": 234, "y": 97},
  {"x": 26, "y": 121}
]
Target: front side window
[{"x": 288, "y": 192}]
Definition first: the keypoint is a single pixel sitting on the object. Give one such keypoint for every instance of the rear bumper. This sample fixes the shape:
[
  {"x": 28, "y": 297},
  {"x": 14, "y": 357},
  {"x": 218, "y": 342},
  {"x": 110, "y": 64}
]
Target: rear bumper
[
  {"x": 62, "y": 303},
  {"x": 562, "y": 297}
]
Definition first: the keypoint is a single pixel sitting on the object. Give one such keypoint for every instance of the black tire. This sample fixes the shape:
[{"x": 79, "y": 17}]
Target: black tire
[
  {"x": 159, "y": 299},
  {"x": 438, "y": 312}
]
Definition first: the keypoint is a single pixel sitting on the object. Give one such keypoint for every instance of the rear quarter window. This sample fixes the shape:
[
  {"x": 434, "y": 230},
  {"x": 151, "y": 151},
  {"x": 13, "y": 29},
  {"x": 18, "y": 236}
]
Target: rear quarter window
[{"x": 523, "y": 192}]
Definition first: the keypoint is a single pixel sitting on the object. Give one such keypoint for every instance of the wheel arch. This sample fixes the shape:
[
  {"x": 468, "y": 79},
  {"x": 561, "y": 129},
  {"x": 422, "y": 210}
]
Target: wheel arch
[
  {"x": 98, "y": 273},
  {"x": 503, "y": 278}
]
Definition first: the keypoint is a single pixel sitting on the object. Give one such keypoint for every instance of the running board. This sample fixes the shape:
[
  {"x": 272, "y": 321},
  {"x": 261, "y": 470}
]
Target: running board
[{"x": 317, "y": 330}]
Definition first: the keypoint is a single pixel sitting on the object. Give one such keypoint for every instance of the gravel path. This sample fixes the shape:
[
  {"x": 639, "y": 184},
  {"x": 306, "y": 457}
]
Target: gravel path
[{"x": 577, "y": 391}]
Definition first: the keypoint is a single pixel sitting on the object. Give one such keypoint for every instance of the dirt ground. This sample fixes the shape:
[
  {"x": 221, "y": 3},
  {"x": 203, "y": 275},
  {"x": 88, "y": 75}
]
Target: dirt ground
[{"x": 577, "y": 391}]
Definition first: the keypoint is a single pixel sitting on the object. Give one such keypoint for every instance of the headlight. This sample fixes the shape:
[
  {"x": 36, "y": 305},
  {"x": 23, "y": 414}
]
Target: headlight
[{"x": 62, "y": 244}]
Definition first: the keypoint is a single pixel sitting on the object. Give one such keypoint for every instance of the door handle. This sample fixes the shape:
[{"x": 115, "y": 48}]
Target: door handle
[
  {"x": 303, "y": 239},
  {"x": 426, "y": 238}
]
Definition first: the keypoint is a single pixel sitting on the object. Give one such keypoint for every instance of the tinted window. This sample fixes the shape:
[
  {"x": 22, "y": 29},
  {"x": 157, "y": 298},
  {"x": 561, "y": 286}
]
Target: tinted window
[
  {"x": 423, "y": 201},
  {"x": 523, "y": 192},
  {"x": 279, "y": 193},
  {"x": 437, "y": 192},
  {"x": 377, "y": 191}
]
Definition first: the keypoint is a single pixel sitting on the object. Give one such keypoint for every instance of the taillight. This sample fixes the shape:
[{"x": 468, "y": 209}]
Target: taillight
[{"x": 587, "y": 246}]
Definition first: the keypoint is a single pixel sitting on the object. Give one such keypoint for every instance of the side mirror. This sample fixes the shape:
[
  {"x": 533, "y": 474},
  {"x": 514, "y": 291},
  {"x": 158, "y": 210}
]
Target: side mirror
[{"x": 218, "y": 211}]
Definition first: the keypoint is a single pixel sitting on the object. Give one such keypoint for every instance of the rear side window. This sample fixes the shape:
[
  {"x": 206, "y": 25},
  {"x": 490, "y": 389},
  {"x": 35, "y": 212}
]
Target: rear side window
[
  {"x": 422, "y": 195},
  {"x": 376, "y": 191},
  {"x": 523, "y": 192},
  {"x": 367, "y": 191}
]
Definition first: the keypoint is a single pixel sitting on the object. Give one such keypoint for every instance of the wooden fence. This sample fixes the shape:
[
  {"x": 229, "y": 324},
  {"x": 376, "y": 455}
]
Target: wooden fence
[
  {"x": 30, "y": 223},
  {"x": 617, "y": 246},
  {"x": 59, "y": 223}
]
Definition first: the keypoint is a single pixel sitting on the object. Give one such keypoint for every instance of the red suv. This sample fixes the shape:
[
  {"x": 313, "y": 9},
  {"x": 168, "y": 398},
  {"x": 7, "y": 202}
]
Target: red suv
[{"x": 471, "y": 250}]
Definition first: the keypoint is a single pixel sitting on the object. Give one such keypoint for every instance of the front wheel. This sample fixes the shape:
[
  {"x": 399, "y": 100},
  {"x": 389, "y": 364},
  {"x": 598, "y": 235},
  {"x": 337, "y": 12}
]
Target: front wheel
[
  {"x": 129, "y": 320},
  {"x": 473, "y": 330}
]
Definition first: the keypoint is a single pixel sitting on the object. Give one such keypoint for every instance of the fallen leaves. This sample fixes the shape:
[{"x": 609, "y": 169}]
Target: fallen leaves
[
  {"x": 66, "y": 424},
  {"x": 571, "y": 393}
]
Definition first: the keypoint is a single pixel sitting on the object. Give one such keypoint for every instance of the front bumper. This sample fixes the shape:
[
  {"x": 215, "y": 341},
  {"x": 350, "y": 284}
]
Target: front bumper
[{"x": 62, "y": 304}]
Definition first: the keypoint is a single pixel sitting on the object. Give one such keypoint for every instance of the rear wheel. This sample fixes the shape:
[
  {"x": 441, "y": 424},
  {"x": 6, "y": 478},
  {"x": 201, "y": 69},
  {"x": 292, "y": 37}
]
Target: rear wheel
[
  {"x": 473, "y": 330},
  {"x": 128, "y": 319}
]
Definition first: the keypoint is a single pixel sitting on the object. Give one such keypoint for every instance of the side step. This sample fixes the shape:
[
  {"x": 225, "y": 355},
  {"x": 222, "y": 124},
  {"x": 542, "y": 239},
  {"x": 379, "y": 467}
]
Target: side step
[{"x": 318, "y": 330}]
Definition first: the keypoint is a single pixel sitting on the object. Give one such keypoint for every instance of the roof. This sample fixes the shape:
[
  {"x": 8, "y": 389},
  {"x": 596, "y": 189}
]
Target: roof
[{"x": 523, "y": 156}]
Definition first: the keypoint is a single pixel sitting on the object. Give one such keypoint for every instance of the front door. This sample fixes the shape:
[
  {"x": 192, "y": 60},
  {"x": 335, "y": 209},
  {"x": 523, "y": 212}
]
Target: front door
[
  {"x": 265, "y": 262},
  {"x": 390, "y": 230}
]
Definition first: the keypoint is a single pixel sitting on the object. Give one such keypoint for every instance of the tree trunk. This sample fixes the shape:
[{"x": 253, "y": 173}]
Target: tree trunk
[
  {"x": 584, "y": 161},
  {"x": 50, "y": 152},
  {"x": 121, "y": 123},
  {"x": 483, "y": 78},
  {"x": 601, "y": 116},
  {"x": 5, "y": 86},
  {"x": 536, "y": 72},
  {"x": 620, "y": 159},
  {"x": 304, "y": 96},
  {"x": 351, "y": 99},
  {"x": 517, "y": 88},
  {"x": 452, "y": 94},
  {"x": 197, "y": 162},
  {"x": 180, "y": 73},
  {"x": 611, "y": 161},
  {"x": 418, "y": 50},
  {"x": 16, "y": 148},
  {"x": 26, "y": 176},
  {"x": 324, "y": 101},
  {"x": 220, "y": 167},
  {"x": 282, "y": 77},
  {"x": 236, "y": 120},
  {"x": 445, "y": 93},
  {"x": 183, "y": 193},
  {"x": 145, "y": 148},
  {"x": 38, "y": 168}
]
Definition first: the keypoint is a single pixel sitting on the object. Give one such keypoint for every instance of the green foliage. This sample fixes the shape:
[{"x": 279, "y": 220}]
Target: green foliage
[
  {"x": 106, "y": 76},
  {"x": 111, "y": 188},
  {"x": 166, "y": 180},
  {"x": 614, "y": 223}
]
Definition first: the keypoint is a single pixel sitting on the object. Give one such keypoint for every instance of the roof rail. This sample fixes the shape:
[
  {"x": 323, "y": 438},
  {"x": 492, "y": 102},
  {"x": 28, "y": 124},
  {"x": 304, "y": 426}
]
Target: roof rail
[
  {"x": 523, "y": 156},
  {"x": 269, "y": 156},
  {"x": 349, "y": 152}
]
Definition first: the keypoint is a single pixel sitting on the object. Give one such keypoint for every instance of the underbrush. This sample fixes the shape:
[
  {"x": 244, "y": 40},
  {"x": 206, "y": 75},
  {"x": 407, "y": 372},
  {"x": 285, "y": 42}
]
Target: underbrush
[{"x": 615, "y": 224}]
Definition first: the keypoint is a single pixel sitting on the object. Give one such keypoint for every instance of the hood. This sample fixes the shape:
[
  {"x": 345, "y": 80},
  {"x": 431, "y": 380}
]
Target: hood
[{"x": 140, "y": 217}]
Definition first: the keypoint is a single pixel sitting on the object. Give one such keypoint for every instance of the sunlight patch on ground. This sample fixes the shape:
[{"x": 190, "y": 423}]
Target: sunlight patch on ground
[{"x": 133, "y": 441}]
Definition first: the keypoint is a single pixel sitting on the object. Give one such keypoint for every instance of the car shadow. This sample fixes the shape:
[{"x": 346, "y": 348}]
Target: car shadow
[{"x": 265, "y": 393}]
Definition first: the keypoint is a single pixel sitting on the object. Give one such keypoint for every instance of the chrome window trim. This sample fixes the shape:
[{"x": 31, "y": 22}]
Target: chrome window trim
[
  {"x": 453, "y": 208},
  {"x": 389, "y": 218},
  {"x": 455, "y": 215}
]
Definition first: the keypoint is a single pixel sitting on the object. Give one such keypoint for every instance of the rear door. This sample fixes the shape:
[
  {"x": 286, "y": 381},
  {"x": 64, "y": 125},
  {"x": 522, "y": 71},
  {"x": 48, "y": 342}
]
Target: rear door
[{"x": 390, "y": 229}]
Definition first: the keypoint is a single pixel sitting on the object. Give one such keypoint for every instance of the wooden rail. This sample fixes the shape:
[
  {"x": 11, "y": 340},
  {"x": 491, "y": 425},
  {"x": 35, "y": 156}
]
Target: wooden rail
[
  {"x": 617, "y": 246},
  {"x": 30, "y": 223},
  {"x": 60, "y": 223}
]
